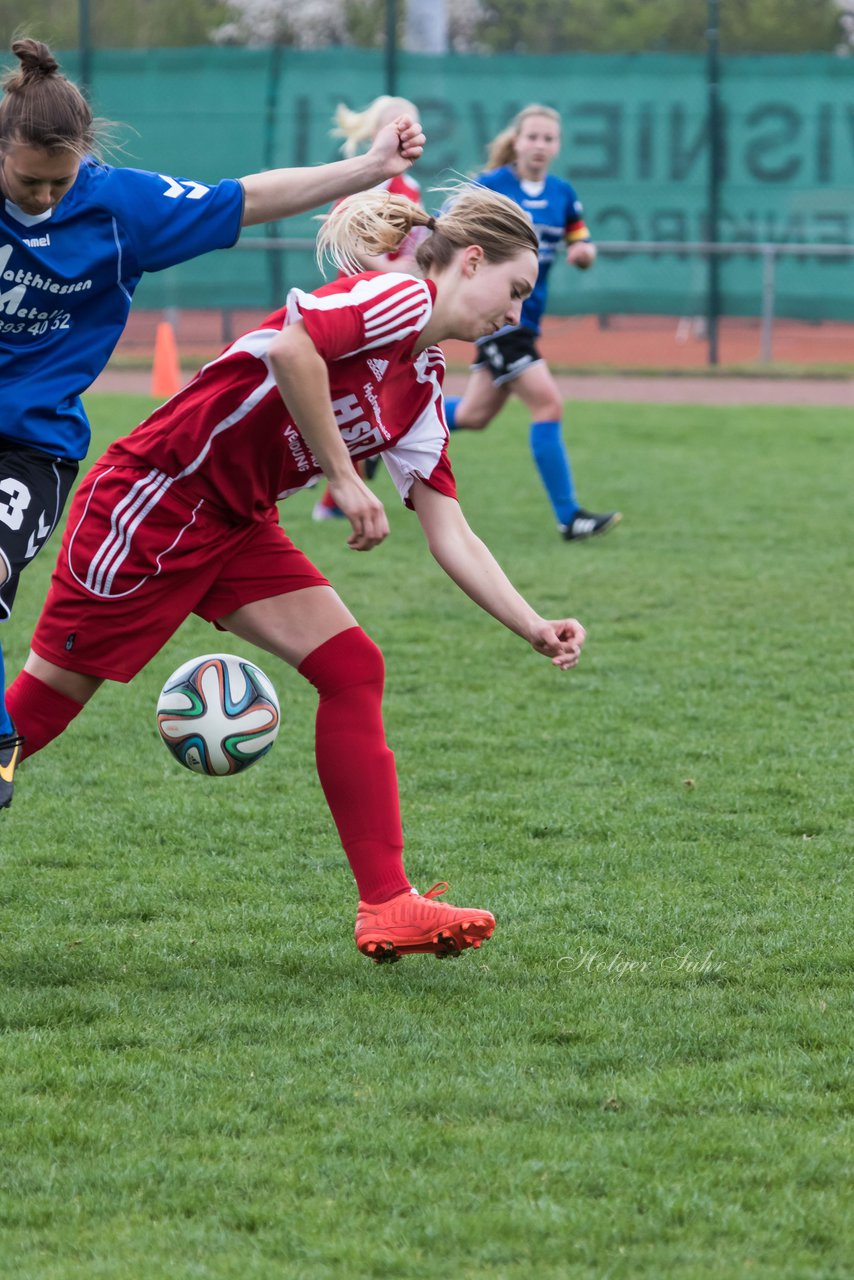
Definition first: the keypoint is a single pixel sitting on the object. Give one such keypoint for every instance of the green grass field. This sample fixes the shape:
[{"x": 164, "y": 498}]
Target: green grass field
[{"x": 645, "y": 1074}]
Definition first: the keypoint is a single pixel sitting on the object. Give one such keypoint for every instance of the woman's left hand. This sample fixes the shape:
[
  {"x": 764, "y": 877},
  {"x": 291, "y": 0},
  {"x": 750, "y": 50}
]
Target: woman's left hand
[
  {"x": 561, "y": 641},
  {"x": 581, "y": 255}
]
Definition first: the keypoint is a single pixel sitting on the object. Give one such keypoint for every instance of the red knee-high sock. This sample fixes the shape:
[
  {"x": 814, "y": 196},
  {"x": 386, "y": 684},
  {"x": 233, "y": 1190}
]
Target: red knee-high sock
[
  {"x": 355, "y": 766},
  {"x": 40, "y": 713}
]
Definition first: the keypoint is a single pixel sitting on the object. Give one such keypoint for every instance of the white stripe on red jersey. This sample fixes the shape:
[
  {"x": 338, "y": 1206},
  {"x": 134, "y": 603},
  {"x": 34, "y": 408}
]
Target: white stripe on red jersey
[
  {"x": 390, "y": 307},
  {"x": 140, "y": 498}
]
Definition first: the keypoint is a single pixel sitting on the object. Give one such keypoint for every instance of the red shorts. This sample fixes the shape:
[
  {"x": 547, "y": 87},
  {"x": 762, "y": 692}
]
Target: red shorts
[{"x": 138, "y": 556}]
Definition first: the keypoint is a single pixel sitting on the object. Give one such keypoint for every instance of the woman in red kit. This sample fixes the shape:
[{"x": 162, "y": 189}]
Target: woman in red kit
[
  {"x": 359, "y": 130},
  {"x": 180, "y": 517}
]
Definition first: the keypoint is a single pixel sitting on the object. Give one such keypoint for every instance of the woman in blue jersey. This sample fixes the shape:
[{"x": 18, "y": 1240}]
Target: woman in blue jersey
[
  {"x": 509, "y": 362},
  {"x": 76, "y": 235}
]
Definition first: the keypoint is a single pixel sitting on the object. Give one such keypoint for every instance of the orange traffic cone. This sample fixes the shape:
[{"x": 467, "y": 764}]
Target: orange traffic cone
[{"x": 166, "y": 371}]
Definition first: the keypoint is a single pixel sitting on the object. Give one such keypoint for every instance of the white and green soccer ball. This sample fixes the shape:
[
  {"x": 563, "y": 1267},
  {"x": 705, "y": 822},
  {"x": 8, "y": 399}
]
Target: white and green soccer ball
[{"x": 218, "y": 714}]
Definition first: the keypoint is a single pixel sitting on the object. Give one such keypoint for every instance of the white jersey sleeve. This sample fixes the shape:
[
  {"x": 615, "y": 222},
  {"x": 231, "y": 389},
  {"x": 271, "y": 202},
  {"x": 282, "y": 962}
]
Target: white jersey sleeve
[{"x": 422, "y": 454}]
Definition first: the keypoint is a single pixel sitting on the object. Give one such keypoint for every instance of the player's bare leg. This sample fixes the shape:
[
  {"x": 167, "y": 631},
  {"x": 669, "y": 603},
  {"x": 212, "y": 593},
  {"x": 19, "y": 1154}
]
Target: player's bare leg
[
  {"x": 293, "y": 625},
  {"x": 73, "y": 684},
  {"x": 480, "y": 402}
]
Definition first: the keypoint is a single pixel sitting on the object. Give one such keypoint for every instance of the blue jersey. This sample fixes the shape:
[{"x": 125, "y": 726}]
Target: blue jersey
[
  {"x": 66, "y": 282},
  {"x": 557, "y": 215}
]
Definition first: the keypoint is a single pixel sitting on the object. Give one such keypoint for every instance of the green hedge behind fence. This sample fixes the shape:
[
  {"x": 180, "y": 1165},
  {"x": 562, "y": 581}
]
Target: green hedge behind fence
[{"x": 635, "y": 146}]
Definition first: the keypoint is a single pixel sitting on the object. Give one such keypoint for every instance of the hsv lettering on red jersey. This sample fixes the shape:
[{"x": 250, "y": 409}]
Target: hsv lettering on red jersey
[{"x": 229, "y": 439}]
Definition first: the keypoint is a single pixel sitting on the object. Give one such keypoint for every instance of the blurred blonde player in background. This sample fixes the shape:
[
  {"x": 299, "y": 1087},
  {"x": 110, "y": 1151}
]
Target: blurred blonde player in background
[
  {"x": 359, "y": 129},
  {"x": 509, "y": 363}
]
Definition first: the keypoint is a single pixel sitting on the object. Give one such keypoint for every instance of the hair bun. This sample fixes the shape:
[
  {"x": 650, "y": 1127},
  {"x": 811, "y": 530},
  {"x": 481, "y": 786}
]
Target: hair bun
[{"x": 36, "y": 58}]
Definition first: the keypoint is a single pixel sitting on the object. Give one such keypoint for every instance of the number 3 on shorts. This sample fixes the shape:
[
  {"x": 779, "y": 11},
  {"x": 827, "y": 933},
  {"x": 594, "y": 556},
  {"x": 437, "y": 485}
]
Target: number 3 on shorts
[{"x": 18, "y": 495}]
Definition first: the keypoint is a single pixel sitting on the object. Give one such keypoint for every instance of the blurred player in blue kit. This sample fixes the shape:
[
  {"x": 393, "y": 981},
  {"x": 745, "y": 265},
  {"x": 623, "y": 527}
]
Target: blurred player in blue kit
[
  {"x": 76, "y": 235},
  {"x": 508, "y": 362}
]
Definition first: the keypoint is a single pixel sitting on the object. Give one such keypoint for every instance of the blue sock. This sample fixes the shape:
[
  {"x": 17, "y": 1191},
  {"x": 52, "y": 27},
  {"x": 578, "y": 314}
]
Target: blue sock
[
  {"x": 451, "y": 403},
  {"x": 553, "y": 465},
  {"x": 5, "y": 719}
]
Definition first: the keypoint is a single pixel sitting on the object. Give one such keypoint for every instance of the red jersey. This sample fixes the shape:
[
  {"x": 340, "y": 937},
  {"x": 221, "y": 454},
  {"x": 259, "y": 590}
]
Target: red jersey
[
  {"x": 228, "y": 435},
  {"x": 402, "y": 184}
]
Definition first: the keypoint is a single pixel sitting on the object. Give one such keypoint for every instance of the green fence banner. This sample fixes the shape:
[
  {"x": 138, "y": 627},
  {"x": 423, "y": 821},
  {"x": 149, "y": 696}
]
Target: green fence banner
[{"x": 635, "y": 146}]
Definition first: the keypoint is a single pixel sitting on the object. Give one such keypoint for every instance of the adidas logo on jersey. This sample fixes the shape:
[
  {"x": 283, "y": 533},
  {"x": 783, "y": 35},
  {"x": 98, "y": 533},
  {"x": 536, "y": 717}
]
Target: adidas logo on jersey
[{"x": 378, "y": 368}]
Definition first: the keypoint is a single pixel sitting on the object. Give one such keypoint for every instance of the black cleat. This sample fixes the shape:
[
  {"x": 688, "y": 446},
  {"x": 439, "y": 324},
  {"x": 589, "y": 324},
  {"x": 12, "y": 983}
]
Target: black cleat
[
  {"x": 587, "y": 524},
  {"x": 10, "y": 754}
]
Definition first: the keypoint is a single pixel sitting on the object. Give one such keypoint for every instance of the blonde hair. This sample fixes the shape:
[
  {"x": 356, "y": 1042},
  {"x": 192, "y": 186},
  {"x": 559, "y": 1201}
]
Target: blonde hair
[
  {"x": 358, "y": 128},
  {"x": 376, "y": 223},
  {"x": 502, "y": 148},
  {"x": 41, "y": 108}
]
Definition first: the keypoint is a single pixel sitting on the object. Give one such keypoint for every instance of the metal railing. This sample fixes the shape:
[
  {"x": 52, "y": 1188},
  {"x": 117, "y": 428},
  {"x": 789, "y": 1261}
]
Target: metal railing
[{"x": 767, "y": 251}]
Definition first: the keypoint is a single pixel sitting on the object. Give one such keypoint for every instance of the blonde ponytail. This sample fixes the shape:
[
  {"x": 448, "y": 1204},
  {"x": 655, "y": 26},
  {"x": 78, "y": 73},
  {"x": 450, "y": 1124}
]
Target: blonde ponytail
[
  {"x": 502, "y": 149},
  {"x": 376, "y": 222},
  {"x": 371, "y": 223}
]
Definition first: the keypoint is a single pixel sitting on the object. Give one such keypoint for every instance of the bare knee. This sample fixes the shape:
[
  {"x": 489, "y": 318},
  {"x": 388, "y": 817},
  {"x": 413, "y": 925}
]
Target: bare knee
[
  {"x": 472, "y": 419},
  {"x": 540, "y": 394},
  {"x": 546, "y": 409},
  {"x": 74, "y": 684},
  {"x": 480, "y": 403}
]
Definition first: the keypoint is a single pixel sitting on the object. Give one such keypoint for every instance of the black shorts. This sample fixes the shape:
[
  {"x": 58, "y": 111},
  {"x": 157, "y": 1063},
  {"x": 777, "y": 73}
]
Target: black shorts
[
  {"x": 34, "y": 487},
  {"x": 508, "y": 354}
]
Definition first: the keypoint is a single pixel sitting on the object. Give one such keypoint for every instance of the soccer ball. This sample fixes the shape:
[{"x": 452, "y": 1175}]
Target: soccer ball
[{"x": 218, "y": 714}]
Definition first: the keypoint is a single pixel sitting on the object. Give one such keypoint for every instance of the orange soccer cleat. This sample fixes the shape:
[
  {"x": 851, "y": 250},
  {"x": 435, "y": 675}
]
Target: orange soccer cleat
[{"x": 415, "y": 922}]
